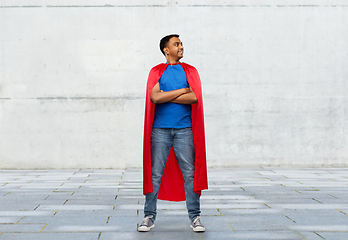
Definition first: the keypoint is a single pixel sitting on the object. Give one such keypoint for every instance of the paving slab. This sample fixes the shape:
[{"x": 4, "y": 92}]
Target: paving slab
[
  {"x": 131, "y": 235},
  {"x": 241, "y": 203},
  {"x": 332, "y": 235},
  {"x": 45, "y": 236}
]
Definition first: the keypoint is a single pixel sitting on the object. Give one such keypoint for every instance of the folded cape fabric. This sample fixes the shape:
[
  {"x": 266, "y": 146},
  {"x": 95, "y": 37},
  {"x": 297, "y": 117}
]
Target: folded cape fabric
[{"x": 172, "y": 182}]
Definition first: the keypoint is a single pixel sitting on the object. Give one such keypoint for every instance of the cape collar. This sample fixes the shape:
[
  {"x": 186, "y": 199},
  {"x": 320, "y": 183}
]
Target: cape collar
[{"x": 173, "y": 64}]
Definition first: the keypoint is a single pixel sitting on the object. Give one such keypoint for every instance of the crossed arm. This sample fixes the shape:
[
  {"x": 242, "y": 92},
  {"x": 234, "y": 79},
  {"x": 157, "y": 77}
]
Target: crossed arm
[{"x": 182, "y": 95}]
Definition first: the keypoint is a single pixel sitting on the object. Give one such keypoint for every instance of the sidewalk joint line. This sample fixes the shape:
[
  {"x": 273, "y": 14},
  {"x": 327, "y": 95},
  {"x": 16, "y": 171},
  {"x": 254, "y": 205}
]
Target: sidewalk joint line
[
  {"x": 242, "y": 188},
  {"x": 231, "y": 226},
  {"x": 290, "y": 219},
  {"x": 319, "y": 235},
  {"x": 342, "y": 212},
  {"x": 200, "y": 236},
  {"x": 331, "y": 195},
  {"x": 43, "y": 227},
  {"x": 47, "y": 197},
  {"x": 7, "y": 193},
  {"x": 266, "y": 205},
  {"x": 55, "y": 213},
  {"x": 317, "y": 200},
  {"x": 20, "y": 220},
  {"x": 300, "y": 234}
]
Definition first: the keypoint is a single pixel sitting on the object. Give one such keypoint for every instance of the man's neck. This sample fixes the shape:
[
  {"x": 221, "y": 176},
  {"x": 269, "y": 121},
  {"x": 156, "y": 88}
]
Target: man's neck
[{"x": 173, "y": 61}]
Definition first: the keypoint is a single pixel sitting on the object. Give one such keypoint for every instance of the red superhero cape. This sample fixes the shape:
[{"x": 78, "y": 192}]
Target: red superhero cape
[{"x": 172, "y": 181}]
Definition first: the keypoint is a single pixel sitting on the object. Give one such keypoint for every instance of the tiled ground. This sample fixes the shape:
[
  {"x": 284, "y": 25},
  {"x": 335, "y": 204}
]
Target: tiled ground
[{"x": 260, "y": 203}]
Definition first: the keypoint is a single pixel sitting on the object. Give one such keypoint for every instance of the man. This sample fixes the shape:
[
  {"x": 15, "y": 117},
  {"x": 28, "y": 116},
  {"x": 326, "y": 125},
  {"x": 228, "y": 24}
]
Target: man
[{"x": 174, "y": 160}]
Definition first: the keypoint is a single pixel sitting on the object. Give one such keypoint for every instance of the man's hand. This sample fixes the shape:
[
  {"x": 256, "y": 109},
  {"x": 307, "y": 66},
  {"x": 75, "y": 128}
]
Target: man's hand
[{"x": 188, "y": 98}]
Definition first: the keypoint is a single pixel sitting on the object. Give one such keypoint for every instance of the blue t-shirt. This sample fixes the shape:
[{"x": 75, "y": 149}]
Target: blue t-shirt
[{"x": 173, "y": 115}]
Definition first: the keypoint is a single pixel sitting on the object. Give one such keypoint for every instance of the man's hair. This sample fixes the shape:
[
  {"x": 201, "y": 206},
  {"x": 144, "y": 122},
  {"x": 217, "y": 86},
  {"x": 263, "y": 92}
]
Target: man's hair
[{"x": 165, "y": 40}]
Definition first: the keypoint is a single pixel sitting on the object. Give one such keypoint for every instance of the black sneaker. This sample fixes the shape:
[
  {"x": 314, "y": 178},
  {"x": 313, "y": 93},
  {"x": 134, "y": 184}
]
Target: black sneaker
[
  {"x": 196, "y": 225},
  {"x": 146, "y": 224}
]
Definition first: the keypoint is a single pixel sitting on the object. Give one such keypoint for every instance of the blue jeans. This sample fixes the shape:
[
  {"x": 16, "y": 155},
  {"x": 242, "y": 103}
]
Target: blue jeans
[{"x": 162, "y": 139}]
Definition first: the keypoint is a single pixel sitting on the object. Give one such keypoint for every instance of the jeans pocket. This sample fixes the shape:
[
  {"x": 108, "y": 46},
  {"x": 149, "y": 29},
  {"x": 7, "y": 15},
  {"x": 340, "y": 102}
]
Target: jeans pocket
[{"x": 159, "y": 134}]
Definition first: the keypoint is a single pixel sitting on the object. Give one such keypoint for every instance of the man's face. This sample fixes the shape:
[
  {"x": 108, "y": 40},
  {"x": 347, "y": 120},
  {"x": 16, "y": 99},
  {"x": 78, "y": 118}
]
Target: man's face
[{"x": 174, "y": 48}]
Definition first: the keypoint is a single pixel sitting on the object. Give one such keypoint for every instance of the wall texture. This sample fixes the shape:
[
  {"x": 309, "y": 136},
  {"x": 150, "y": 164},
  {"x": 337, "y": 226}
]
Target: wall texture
[{"x": 73, "y": 76}]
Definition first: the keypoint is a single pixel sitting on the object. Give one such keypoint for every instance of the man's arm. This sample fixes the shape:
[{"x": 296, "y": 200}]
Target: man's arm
[
  {"x": 187, "y": 98},
  {"x": 158, "y": 96}
]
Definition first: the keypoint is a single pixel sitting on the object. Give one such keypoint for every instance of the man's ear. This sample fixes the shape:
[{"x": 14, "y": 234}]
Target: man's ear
[{"x": 166, "y": 50}]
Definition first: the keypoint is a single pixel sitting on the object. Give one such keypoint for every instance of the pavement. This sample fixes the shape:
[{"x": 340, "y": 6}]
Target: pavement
[{"x": 241, "y": 203}]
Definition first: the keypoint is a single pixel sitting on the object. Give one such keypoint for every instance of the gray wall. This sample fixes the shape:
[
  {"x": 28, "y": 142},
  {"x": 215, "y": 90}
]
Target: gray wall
[{"x": 73, "y": 76}]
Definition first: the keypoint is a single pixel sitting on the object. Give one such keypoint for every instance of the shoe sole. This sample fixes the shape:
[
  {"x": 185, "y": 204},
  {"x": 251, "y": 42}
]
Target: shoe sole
[
  {"x": 145, "y": 229},
  {"x": 198, "y": 229}
]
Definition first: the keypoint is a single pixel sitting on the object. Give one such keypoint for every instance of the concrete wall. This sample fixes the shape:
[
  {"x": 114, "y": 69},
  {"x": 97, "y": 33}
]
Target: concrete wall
[{"x": 73, "y": 76}]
